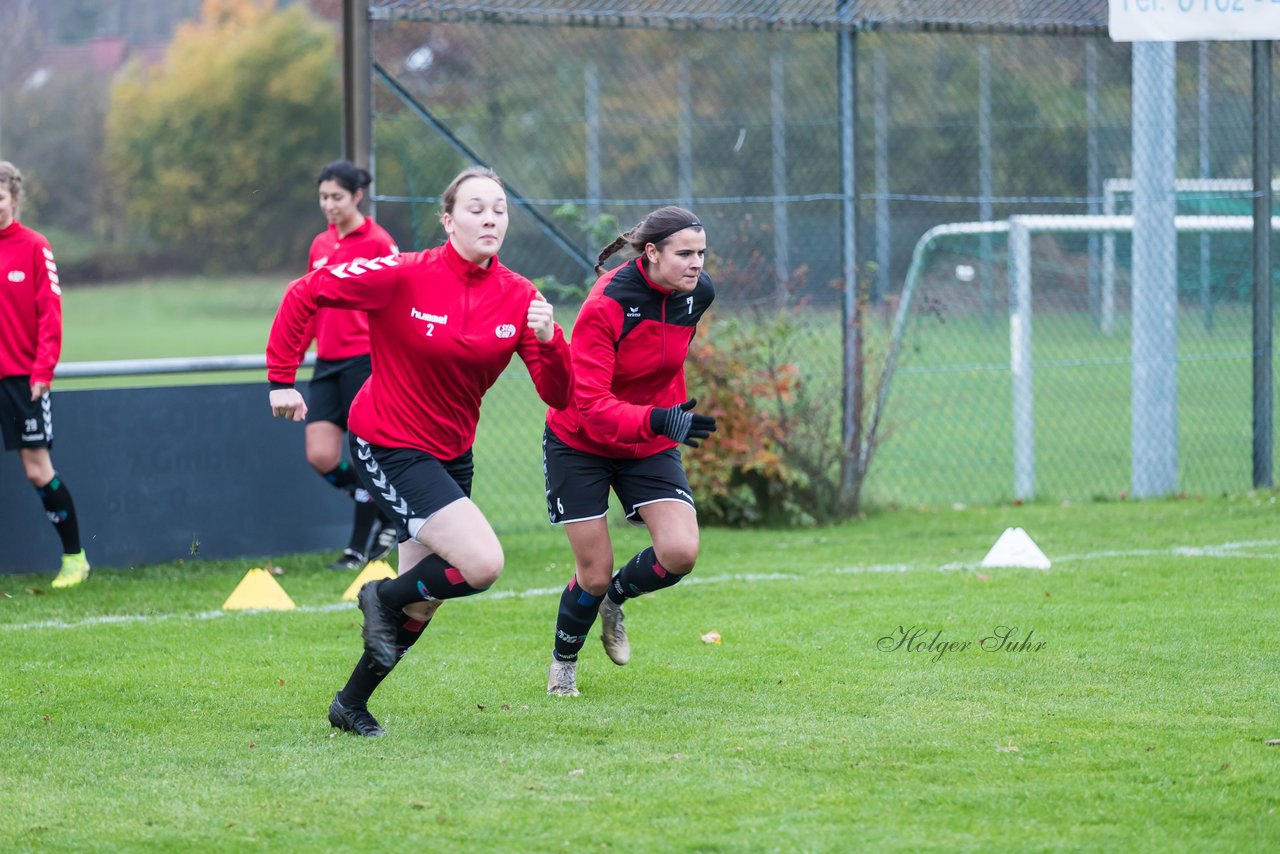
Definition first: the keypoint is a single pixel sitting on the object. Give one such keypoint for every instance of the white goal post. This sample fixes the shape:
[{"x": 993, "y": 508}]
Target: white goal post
[
  {"x": 1019, "y": 230},
  {"x": 1113, "y": 188}
]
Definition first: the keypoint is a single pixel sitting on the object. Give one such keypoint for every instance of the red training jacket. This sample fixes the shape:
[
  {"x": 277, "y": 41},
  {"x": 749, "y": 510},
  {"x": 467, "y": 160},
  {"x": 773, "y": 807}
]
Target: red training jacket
[
  {"x": 30, "y": 305},
  {"x": 341, "y": 334},
  {"x": 629, "y": 344},
  {"x": 441, "y": 332}
]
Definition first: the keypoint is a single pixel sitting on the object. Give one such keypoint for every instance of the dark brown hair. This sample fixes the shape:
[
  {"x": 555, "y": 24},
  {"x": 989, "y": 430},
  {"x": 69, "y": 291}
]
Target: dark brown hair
[
  {"x": 350, "y": 176},
  {"x": 655, "y": 228}
]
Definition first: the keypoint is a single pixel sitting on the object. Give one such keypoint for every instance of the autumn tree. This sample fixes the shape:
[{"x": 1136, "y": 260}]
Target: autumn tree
[{"x": 215, "y": 151}]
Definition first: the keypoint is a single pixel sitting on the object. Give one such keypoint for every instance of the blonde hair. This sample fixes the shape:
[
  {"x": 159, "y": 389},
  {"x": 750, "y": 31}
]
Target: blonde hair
[
  {"x": 10, "y": 175},
  {"x": 450, "y": 196}
]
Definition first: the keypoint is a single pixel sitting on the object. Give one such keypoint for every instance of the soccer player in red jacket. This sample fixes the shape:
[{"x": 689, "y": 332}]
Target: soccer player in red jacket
[
  {"x": 629, "y": 415},
  {"x": 30, "y": 343},
  {"x": 443, "y": 325},
  {"x": 342, "y": 356}
]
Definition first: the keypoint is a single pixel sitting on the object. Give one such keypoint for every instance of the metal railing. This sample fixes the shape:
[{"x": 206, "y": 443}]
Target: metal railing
[{"x": 147, "y": 367}]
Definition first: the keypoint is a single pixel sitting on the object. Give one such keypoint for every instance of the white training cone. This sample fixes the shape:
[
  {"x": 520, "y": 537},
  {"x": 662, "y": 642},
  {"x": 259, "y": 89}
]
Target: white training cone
[{"x": 1016, "y": 548}]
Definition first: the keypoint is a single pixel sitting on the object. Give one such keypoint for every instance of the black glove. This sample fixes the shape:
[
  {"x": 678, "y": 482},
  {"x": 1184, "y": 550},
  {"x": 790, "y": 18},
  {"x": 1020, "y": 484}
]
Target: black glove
[{"x": 678, "y": 423}]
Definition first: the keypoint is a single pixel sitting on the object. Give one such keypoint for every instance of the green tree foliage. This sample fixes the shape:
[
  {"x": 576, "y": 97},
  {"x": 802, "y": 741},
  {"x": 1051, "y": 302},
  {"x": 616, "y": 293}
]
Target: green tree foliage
[
  {"x": 777, "y": 456},
  {"x": 216, "y": 151}
]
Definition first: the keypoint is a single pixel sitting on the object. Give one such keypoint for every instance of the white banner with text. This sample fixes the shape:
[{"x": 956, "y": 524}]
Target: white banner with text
[{"x": 1193, "y": 20}]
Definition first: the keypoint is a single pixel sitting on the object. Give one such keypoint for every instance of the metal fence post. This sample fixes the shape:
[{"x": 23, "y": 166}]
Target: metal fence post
[
  {"x": 851, "y": 407},
  {"x": 1024, "y": 440},
  {"x": 1262, "y": 203},
  {"x": 1154, "y": 439}
]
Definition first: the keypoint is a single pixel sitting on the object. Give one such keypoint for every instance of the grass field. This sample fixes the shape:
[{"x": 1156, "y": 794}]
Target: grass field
[
  {"x": 948, "y": 425},
  {"x": 162, "y": 318},
  {"x": 951, "y": 410},
  {"x": 138, "y": 716},
  {"x": 212, "y": 317}
]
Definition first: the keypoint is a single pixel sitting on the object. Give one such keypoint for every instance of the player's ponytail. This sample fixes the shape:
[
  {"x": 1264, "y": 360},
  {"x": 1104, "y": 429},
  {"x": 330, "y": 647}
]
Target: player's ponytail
[
  {"x": 609, "y": 250},
  {"x": 655, "y": 228}
]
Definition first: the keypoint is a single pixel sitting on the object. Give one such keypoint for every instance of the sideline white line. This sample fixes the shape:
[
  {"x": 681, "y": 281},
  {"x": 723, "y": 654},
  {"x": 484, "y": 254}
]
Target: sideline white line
[
  {"x": 697, "y": 579},
  {"x": 1225, "y": 550},
  {"x": 876, "y": 567},
  {"x": 126, "y": 619}
]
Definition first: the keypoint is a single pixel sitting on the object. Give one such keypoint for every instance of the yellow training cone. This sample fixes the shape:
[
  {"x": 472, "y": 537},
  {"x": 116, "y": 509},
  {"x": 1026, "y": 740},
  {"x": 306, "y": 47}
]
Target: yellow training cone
[
  {"x": 372, "y": 572},
  {"x": 258, "y": 590}
]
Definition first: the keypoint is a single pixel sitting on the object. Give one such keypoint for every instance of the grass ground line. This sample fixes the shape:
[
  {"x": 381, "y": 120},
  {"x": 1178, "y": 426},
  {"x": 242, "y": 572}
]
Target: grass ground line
[{"x": 1224, "y": 550}]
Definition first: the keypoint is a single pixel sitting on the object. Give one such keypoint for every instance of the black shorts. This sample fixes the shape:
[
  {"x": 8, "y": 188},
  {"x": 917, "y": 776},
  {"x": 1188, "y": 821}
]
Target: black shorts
[
  {"x": 410, "y": 485},
  {"x": 333, "y": 386},
  {"x": 25, "y": 423},
  {"x": 578, "y": 483}
]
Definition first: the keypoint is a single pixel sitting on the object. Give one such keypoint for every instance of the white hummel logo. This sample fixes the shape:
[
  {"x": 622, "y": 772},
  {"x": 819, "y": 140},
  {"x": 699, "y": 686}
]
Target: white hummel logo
[
  {"x": 17, "y": 276},
  {"x": 429, "y": 318},
  {"x": 505, "y": 330},
  {"x": 355, "y": 268},
  {"x": 379, "y": 478}
]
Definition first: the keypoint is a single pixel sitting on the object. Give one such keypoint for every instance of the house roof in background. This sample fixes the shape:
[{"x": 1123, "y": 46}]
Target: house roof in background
[{"x": 104, "y": 55}]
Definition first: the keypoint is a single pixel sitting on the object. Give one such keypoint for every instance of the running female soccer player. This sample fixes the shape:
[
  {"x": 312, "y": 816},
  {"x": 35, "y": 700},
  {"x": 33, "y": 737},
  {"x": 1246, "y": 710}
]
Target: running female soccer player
[
  {"x": 443, "y": 325},
  {"x": 628, "y": 417}
]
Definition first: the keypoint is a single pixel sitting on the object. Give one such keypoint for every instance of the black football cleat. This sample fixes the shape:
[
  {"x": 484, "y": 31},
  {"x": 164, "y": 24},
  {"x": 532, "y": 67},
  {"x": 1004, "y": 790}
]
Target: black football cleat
[
  {"x": 348, "y": 560},
  {"x": 354, "y": 720}
]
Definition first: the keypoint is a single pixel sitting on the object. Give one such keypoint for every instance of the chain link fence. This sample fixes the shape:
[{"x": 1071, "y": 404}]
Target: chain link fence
[{"x": 593, "y": 121}]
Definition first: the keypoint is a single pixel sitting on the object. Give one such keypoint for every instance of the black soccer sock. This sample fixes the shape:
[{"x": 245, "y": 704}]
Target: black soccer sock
[
  {"x": 430, "y": 578},
  {"x": 638, "y": 576},
  {"x": 578, "y": 610},
  {"x": 368, "y": 674},
  {"x": 343, "y": 476},
  {"x": 58, "y": 506},
  {"x": 366, "y": 514}
]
